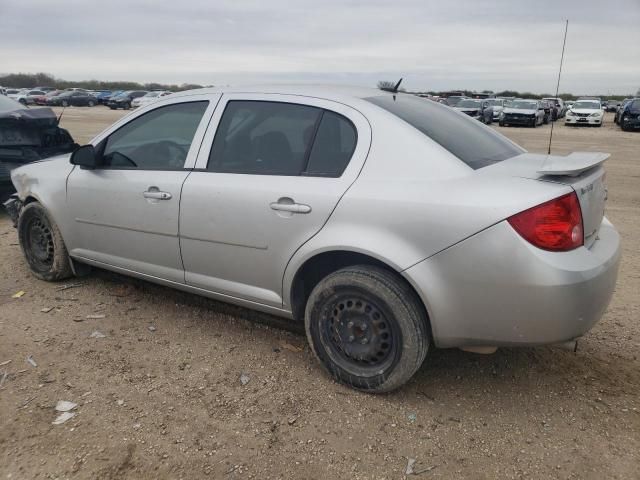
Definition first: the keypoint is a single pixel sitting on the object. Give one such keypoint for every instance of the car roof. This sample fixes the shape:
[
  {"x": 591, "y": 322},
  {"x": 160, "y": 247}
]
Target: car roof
[{"x": 329, "y": 92}]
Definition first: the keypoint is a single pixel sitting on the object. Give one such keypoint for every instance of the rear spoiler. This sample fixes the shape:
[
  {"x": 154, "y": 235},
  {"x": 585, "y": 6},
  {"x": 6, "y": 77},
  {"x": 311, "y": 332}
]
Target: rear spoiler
[{"x": 573, "y": 164}]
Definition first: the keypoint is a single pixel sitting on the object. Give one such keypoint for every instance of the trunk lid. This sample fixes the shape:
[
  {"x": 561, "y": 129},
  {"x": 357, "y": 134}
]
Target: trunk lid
[{"x": 582, "y": 171}]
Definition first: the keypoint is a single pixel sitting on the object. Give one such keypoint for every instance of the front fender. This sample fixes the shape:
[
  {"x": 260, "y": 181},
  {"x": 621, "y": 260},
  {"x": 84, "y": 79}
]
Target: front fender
[{"x": 46, "y": 182}]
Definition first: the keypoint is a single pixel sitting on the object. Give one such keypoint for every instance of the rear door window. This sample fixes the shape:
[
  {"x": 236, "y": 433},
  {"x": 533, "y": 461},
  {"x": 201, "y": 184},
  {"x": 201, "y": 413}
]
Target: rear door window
[
  {"x": 334, "y": 144},
  {"x": 262, "y": 137},
  {"x": 464, "y": 137}
]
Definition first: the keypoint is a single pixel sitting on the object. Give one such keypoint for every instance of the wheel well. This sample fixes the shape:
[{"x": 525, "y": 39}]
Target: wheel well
[
  {"x": 318, "y": 267},
  {"x": 29, "y": 200}
]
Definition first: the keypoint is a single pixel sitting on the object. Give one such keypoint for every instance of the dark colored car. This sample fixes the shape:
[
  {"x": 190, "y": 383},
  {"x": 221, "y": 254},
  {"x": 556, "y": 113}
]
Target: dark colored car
[
  {"x": 526, "y": 112},
  {"x": 77, "y": 98},
  {"x": 630, "y": 116},
  {"x": 476, "y": 108},
  {"x": 27, "y": 135},
  {"x": 124, "y": 99},
  {"x": 611, "y": 105},
  {"x": 619, "y": 110},
  {"x": 102, "y": 96}
]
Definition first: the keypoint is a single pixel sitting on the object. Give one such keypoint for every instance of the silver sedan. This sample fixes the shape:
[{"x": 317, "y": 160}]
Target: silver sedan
[{"x": 387, "y": 223}]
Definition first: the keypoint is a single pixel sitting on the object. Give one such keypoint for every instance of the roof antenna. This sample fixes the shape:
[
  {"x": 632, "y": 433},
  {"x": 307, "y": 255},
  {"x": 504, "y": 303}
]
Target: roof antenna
[
  {"x": 60, "y": 117},
  {"x": 564, "y": 42},
  {"x": 393, "y": 89}
]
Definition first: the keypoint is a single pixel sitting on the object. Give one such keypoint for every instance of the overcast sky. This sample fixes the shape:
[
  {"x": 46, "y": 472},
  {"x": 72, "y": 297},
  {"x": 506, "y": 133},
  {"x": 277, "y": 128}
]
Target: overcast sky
[{"x": 434, "y": 45}]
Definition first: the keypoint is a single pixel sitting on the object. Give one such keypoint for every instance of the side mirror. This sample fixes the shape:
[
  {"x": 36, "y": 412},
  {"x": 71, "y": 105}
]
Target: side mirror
[{"x": 85, "y": 156}]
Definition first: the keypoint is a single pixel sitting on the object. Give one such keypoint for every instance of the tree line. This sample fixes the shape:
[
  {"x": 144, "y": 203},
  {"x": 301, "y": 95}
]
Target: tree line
[{"x": 28, "y": 80}]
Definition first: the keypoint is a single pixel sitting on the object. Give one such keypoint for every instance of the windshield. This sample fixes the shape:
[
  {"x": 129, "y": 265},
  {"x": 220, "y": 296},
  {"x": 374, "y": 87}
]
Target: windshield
[
  {"x": 524, "y": 104},
  {"x": 152, "y": 94},
  {"x": 473, "y": 143},
  {"x": 494, "y": 102},
  {"x": 468, "y": 104},
  {"x": 8, "y": 104},
  {"x": 586, "y": 104},
  {"x": 453, "y": 101}
]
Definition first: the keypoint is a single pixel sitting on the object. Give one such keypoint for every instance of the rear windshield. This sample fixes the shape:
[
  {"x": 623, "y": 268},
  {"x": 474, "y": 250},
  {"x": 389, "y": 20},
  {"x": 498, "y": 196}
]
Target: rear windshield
[{"x": 464, "y": 137}]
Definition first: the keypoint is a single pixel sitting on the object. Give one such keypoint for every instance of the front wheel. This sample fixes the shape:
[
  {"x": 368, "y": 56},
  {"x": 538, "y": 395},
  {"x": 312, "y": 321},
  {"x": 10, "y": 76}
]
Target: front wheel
[
  {"x": 624, "y": 123},
  {"x": 42, "y": 244},
  {"x": 367, "y": 327},
  {"x": 91, "y": 103},
  {"x": 65, "y": 103}
]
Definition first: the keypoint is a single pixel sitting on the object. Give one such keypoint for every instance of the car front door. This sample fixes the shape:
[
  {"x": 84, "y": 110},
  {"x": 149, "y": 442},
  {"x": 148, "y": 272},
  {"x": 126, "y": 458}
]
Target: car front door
[
  {"x": 125, "y": 212},
  {"x": 271, "y": 170}
]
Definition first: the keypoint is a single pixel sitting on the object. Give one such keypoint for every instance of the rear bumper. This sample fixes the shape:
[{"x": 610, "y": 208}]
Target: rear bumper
[
  {"x": 583, "y": 120},
  {"x": 496, "y": 289}
]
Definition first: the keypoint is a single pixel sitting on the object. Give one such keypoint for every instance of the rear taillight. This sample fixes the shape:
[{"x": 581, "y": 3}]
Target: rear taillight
[{"x": 555, "y": 225}]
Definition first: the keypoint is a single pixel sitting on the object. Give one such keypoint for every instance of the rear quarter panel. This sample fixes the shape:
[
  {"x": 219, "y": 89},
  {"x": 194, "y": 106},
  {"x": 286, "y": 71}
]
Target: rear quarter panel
[{"x": 414, "y": 199}]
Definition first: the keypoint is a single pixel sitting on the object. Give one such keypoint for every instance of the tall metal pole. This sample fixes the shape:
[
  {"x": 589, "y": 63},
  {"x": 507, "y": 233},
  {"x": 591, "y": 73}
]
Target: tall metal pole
[{"x": 564, "y": 42}]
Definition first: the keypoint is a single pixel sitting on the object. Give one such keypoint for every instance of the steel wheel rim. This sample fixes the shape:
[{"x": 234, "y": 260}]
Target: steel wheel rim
[
  {"x": 359, "y": 334},
  {"x": 39, "y": 243}
]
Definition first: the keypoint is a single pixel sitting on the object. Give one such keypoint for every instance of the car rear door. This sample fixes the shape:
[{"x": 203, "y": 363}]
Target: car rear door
[
  {"x": 270, "y": 180},
  {"x": 126, "y": 211}
]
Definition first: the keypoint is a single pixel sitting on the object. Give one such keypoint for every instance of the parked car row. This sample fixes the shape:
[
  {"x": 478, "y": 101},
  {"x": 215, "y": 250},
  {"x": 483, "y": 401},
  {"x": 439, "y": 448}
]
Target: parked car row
[
  {"x": 79, "y": 97},
  {"x": 508, "y": 110}
]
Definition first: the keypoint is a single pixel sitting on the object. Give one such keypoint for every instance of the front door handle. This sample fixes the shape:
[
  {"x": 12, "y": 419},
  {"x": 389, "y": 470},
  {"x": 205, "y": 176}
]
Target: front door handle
[
  {"x": 286, "y": 204},
  {"x": 156, "y": 194}
]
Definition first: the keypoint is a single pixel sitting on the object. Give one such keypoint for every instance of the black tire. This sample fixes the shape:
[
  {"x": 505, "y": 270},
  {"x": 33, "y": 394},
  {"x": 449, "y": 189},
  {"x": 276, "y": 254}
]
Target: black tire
[
  {"x": 534, "y": 124},
  {"x": 91, "y": 103},
  {"x": 23, "y": 101},
  {"x": 501, "y": 123},
  {"x": 623, "y": 123},
  {"x": 545, "y": 120},
  {"x": 127, "y": 106},
  {"x": 42, "y": 244},
  {"x": 367, "y": 328},
  {"x": 65, "y": 103}
]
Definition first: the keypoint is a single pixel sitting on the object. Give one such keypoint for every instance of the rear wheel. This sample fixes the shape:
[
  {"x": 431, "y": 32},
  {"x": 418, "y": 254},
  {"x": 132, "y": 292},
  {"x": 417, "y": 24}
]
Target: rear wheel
[
  {"x": 65, "y": 103},
  {"x": 42, "y": 244},
  {"x": 367, "y": 328},
  {"x": 91, "y": 103},
  {"x": 127, "y": 106},
  {"x": 624, "y": 123}
]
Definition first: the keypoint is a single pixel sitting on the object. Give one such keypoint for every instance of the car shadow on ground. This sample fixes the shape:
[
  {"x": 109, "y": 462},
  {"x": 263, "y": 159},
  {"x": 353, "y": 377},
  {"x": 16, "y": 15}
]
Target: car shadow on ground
[{"x": 521, "y": 367}]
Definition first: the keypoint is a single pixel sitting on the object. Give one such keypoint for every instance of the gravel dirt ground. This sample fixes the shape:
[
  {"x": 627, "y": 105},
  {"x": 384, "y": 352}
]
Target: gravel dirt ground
[{"x": 161, "y": 396}]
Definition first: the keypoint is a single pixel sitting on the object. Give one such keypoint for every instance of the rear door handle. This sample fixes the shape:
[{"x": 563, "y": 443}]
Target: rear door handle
[
  {"x": 287, "y": 205},
  {"x": 156, "y": 194}
]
